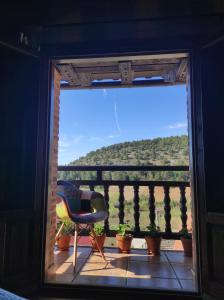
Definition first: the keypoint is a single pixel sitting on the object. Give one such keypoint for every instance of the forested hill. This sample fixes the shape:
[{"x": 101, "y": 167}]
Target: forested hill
[{"x": 160, "y": 151}]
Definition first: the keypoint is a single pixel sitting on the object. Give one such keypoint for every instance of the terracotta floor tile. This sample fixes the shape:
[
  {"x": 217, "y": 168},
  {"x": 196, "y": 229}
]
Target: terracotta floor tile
[
  {"x": 60, "y": 259},
  {"x": 140, "y": 269},
  {"x": 65, "y": 253},
  {"x": 96, "y": 257},
  {"x": 93, "y": 268},
  {"x": 178, "y": 257},
  {"x": 153, "y": 283},
  {"x": 188, "y": 284},
  {"x": 102, "y": 274},
  {"x": 66, "y": 268},
  {"x": 182, "y": 271},
  {"x": 100, "y": 280},
  {"x": 116, "y": 267},
  {"x": 67, "y": 256},
  {"x": 61, "y": 278},
  {"x": 114, "y": 253},
  {"x": 84, "y": 252},
  {"x": 142, "y": 255}
]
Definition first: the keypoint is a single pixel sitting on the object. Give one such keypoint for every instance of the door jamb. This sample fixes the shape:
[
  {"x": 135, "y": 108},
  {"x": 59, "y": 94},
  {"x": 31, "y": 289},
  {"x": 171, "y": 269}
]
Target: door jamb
[{"x": 194, "y": 136}]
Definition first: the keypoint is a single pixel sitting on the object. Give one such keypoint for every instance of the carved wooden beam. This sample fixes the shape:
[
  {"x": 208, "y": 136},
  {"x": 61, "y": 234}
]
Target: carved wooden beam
[
  {"x": 170, "y": 76},
  {"x": 68, "y": 74},
  {"x": 115, "y": 68},
  {"x": 85, "y": 79},
  {"x": 182, "y": 70},
  {"x": 127, "y": 74}
]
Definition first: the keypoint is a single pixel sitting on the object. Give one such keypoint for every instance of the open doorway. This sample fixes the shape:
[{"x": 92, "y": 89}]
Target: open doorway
[{"x": 144, "y": 180}]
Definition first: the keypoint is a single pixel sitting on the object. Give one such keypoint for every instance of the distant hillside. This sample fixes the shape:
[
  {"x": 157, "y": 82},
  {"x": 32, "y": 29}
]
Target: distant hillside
[{"x": 160, "y": 151}]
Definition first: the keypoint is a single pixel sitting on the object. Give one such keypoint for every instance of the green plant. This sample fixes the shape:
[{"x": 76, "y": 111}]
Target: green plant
[
  {"x": 153, "y": 231},
  {"x": 185, "y": 234},
  {"x": 99, "y": 229},
  {"x": 67, "y": 228},
  {"x": 123, "y": 228}
]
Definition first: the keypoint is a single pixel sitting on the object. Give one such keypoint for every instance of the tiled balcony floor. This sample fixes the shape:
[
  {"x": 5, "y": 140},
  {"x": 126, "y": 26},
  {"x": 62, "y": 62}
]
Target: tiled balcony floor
[{"x": 171, "y": 270}]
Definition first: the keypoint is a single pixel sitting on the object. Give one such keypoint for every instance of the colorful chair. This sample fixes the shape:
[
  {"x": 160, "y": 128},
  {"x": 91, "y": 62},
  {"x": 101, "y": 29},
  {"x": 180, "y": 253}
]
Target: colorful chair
[{"x": 82, "y": 207}]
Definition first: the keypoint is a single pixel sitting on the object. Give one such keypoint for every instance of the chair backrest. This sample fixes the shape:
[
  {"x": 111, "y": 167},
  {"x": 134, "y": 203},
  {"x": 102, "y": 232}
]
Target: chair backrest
[{"x": 76, "y": 200}]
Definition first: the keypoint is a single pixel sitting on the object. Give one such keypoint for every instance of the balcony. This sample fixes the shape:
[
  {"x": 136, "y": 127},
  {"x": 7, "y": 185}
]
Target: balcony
[{"x": 171, "y": 270}]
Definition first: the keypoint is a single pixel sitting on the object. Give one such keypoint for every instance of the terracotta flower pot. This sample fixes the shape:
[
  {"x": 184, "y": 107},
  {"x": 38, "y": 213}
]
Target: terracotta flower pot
[
  {"x": 100, "y": 240},
  {"x": 124, "y": 243},
  {"x": 153, "y": 244},
  {"x": 187, "y": 245},
  {"x": 64, "y": 242}
]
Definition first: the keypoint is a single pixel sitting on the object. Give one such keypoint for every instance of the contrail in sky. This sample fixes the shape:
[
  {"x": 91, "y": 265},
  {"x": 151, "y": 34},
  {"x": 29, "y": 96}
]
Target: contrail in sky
[{"x": 116, "y": 117}]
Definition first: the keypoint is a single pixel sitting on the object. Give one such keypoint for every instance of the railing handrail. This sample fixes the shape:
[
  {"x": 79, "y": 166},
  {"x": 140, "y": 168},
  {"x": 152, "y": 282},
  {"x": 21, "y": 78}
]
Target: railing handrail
[
  {"x": 162, "y": 183},
  {"x": 123, "y": 168}
]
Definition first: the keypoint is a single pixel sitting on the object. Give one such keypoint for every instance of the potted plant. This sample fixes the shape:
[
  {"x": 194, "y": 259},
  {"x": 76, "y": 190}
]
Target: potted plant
[
  {"x": 153, "y": 239},
  {"x": 186, "y": 239},
  {"x": 65, "y": 229},
  {"x": 123, "y": 238},
  {"x": 100, "y": 236}
]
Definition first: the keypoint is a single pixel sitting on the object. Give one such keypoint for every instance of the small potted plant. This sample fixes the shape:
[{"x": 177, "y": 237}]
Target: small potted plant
[
  {"x": 153, "y": 239},
  {"x": 186, "y": 239},
  {"x": 123, "y": 238},
  {"x": 65, "y": 229},
  {"x": 100, "y": 236}
]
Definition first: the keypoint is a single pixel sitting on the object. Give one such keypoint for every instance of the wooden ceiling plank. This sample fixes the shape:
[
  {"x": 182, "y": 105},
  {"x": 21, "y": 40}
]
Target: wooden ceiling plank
[
  {"x": 123, "y": 58},
  {"x": 156, "y": 61}
]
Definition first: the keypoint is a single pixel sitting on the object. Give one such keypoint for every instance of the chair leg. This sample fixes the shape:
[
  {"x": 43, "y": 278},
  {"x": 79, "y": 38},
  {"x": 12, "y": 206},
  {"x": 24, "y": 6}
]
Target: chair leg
[
  {"x": 59, "y": 232},
  {"x": 94, "y": 235},
  {"x": 75, "y": 246}
]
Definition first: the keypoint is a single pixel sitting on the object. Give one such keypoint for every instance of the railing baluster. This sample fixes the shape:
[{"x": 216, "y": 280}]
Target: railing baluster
[
  {"x": 92, "y": 188},
  {"x": 136, "y": 208},
  {"x": 183, "y": 207},
  {"x": 107, "y": 199},
  {"x": 99, "y": 175},
  {"x": 167, "y": 209},
  {"x": 152, "y": 215},
  {"x": 121, "y": 204}
]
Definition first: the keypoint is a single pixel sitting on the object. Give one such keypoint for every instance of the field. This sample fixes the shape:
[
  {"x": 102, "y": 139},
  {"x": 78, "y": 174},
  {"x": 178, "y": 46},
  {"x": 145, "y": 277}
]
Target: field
[{"x": 144, "y": 210}]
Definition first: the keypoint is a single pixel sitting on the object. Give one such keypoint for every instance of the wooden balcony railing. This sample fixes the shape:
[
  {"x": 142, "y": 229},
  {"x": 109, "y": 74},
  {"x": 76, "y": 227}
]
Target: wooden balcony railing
[{"x": 121, "y": 184}]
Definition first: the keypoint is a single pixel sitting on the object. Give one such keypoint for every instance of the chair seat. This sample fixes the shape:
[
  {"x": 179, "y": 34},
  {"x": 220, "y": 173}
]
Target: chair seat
[{"x": 88, "y": 218}]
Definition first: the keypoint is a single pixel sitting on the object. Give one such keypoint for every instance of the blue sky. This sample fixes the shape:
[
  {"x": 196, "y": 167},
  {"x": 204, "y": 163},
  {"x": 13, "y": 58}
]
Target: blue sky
[{"x": 91, "y": 119}]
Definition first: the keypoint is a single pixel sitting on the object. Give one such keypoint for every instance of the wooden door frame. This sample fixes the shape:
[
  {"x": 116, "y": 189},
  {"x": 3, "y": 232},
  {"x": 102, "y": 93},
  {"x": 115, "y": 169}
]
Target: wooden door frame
[
  {"x": 207, "y": 218},
  {"x": 31, "y": 215},
  {"x": 72, "y": 51}
]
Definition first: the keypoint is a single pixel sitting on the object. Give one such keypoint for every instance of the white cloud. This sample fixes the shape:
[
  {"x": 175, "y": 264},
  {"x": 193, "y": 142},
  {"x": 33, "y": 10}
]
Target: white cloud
[
  {"x": 112, "y": 136},
  {"x": 177, "y": 125}
]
